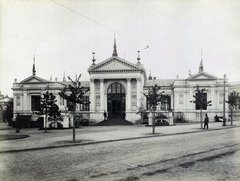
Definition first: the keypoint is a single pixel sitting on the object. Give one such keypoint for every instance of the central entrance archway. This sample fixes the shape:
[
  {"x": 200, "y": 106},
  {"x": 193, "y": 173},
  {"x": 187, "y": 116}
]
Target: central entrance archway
[{"x": 116, "y": 101}]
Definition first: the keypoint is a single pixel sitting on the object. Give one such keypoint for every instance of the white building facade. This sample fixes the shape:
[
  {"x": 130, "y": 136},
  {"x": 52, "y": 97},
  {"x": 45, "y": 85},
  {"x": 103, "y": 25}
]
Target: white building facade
[{"x": 118, "y": 87}]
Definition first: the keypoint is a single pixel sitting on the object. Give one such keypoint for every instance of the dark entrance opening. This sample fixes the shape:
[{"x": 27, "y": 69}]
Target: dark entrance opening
[{"x": 116, "y": 101}]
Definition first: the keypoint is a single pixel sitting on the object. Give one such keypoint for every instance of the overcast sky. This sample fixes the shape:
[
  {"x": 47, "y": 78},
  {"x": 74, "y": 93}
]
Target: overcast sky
[{"x": 62, "y": 34}]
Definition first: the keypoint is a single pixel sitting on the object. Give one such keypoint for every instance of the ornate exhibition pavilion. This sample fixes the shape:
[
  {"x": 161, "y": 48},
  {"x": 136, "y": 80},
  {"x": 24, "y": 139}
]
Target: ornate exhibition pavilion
[{"x": 118, "y": 87}]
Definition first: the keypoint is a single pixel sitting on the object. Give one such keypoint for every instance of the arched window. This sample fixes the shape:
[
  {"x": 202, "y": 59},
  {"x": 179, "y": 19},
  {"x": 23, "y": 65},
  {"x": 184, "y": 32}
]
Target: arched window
[{"x": 116, "y": 88}]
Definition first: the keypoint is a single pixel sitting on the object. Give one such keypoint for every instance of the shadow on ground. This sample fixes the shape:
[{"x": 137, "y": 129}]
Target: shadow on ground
[{"x": 12, "y": 137}]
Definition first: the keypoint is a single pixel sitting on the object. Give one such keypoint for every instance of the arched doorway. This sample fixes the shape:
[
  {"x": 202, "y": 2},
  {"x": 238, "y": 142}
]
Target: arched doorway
[{"x": 116, "y": 101}]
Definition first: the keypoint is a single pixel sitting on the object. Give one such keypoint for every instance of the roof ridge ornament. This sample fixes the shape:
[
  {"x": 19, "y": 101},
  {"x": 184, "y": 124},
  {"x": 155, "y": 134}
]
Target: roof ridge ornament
[
  {"x": 138, "y": 57},
  {"x": 139, "y": 63},
  {"x": 33, "y": 69},
  {"x": 115, "y": 47},
  {"x": 94, "y": 60}
]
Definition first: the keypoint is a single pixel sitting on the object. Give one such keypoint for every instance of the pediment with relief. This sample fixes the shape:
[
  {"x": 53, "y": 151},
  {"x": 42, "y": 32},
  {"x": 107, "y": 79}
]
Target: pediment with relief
[
  {"x": 202, "y": 75},
  {"x": 114, "y": 64}
]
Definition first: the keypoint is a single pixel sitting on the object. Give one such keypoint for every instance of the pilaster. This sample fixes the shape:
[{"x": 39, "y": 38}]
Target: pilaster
[
  {"x": 128, "y": 94},
  {"x": 92, "y": 96},
  {"x": 138, "y": 91},
  {"x": 101, "y": 95}
]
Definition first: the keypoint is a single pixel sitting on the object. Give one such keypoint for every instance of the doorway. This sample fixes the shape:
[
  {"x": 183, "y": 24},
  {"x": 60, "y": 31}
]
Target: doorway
[{"x": 116, "y": 101}]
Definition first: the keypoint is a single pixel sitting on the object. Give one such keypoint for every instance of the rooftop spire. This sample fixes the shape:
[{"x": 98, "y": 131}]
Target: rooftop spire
[
  {"x": 114, "y": 47},
  {"x": 34, "y": 70},
  {"x": 201, "y": 64}
]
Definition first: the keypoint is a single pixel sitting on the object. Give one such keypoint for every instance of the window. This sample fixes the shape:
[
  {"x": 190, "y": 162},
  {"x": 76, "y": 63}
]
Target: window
[
  {"x": 202, "y": 99},
  {"x": 35, "y": 103},
  {"x": 164, "y": 105},
  {"x": 116, "y": 88},
  {"x": 85, "y": 105}
]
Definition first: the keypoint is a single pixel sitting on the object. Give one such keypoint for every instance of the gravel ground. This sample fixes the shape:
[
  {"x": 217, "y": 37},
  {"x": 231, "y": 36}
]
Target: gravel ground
[{"x": 205, "y": 155}]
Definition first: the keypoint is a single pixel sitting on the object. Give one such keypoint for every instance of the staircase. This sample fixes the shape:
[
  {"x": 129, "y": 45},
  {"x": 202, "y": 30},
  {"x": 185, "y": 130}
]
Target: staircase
[{"x": 114, "y": 121}]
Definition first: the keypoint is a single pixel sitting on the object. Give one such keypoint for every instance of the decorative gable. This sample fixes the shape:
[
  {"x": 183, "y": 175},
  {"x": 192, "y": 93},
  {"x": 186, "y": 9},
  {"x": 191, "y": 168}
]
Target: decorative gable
[
  {"x": 201, "y": 76},
  {"x": 114, "y": 64},
  {"x": 34, "y": 79}
]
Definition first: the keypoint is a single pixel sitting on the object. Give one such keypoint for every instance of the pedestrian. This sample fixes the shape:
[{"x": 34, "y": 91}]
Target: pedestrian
[
  {"x": 18, "y": 124},
  {"x": 105, "y": 115},
  {"x": 206, "y": 120}
]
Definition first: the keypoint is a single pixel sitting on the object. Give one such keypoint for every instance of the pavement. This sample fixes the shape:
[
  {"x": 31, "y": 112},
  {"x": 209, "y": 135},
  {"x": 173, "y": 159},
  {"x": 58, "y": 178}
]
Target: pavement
[{"x": 34, "y": 139}]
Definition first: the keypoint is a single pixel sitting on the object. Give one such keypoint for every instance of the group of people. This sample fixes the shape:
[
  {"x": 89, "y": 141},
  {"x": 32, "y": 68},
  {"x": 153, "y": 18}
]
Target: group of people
[{"x": 206, "y": 119}]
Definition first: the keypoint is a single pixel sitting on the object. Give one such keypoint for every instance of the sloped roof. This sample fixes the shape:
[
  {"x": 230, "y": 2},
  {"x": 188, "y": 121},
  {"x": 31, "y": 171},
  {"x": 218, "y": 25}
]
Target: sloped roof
[{"x": 83, "y": 83}]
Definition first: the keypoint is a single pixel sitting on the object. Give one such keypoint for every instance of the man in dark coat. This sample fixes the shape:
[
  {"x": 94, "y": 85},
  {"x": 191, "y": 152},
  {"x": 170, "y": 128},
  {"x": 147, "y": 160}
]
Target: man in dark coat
[
  {"x": 105, "y": 115},
  {"x": 206, "y": 120}
]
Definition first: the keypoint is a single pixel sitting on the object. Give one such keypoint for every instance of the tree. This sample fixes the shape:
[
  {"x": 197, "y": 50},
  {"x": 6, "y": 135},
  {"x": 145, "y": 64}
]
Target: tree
[
  {"x": 46, "y": 103},
  {"x": 233, "y": 101},
  {"x": 154, "y": 97},
  {"x": 201, "y": 101},
  {"x": 75, "y": 97},
  {"x": 8, "y": 112}
]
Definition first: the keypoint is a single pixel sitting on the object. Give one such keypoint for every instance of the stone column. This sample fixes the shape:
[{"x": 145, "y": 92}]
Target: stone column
[
  {"x": 128, "y": 95},
  {"x": 101, "y": 95},
  {"x": 171, "y": 97},
  {"x": 92, "y": 96},
  {"x": 217, "y": 99},
  {"x": 25, "y": 101},
  {"x": 138, "y": 91}
]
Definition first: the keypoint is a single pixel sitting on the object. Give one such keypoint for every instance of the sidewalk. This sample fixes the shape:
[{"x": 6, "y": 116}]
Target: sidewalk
[{"x": 38, "y": 139}]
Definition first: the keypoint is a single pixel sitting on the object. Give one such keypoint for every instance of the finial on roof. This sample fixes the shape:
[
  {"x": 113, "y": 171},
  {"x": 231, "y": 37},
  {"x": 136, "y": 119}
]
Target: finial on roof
[
  {"x": 150, "y": 76},
  {"x": 34, "y": 70},
  {"x": 201, "y": 64},
  {"x": 138, "y": 57},
  {"x": 94, "y": 60},
  {"x": 114, "y": 47}
]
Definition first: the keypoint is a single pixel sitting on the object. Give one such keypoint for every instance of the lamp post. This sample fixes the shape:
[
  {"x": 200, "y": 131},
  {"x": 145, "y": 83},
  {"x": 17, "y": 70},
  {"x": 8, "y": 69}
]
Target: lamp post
[
  {"x": 224, "y": 118},
  {"x": 73, "y": 105}
]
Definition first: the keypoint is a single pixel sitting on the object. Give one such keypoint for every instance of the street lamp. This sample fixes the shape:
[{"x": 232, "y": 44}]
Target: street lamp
[{"x": 224, "y": 118}]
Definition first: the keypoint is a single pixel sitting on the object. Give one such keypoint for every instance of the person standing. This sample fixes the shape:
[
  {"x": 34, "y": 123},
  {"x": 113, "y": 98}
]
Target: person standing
[
  {"x": 206, "y": 120},
  {"x": 105, "y": 115}
]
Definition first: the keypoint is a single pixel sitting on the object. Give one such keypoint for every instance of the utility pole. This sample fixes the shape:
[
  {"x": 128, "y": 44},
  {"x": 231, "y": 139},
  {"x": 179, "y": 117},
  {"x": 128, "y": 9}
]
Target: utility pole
[{"x": 224, "y": 118}]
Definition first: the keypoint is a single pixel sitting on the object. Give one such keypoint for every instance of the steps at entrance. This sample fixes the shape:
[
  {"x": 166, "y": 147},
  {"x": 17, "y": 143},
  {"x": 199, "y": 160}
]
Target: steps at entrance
[{"x": 111, "y": 122}]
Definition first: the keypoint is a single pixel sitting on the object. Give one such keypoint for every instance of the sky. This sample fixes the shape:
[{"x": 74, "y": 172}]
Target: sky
[{"x": 62, "y": 34}]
